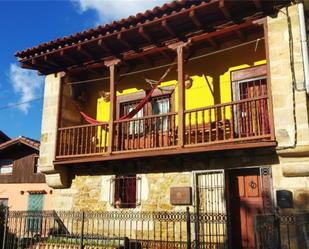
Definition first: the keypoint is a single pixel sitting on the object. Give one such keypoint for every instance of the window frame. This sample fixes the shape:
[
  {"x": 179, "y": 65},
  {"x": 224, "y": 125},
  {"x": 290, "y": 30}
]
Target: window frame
[{"x": 114, "y": 196}]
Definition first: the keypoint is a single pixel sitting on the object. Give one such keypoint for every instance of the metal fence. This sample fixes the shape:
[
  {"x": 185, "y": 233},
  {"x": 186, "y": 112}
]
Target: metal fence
[
  {"x": 119, "y": 229},
  {"x": 285, "y": 231}
]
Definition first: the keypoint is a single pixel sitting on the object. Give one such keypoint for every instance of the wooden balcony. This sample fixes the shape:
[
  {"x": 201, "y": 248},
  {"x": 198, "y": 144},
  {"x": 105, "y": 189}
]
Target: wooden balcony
[{"x": 234, "y": 125}]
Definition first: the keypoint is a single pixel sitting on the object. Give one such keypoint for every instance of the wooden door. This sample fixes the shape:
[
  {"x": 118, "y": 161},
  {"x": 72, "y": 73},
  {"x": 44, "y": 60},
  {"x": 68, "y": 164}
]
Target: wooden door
[{"x": 245, "y": 201}]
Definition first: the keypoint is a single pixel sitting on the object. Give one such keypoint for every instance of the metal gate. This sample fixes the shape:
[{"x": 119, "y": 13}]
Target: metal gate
[{"x": 210, "y": 210}]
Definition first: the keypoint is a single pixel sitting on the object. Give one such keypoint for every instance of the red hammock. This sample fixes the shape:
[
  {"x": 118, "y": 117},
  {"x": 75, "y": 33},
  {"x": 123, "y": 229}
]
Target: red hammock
[
  {"x": 132, "y": 113},
  {"x": 89, "y": 119}
]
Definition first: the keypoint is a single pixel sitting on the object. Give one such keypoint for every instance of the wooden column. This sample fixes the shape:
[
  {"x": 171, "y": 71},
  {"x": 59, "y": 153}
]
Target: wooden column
[
  {"x": 112, "y": 89},
  {"x": 181, "y": 96},
  {"x": 179, "y": 47}
]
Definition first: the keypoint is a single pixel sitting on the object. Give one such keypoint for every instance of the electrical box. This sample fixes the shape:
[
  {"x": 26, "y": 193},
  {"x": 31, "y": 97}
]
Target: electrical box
[
  {"x": 181, "y": 195},
  {"x": 284, "y": 198}
]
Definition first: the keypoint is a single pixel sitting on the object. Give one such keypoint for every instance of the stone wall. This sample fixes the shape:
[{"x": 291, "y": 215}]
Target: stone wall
[
  {"x": 93, "y": 192},
  {"x": 54, "y": 178}
]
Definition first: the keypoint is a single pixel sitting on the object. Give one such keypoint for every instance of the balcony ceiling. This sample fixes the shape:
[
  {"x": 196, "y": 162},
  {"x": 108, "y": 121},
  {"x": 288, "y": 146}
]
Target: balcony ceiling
[{"x": 137, "y": 37}]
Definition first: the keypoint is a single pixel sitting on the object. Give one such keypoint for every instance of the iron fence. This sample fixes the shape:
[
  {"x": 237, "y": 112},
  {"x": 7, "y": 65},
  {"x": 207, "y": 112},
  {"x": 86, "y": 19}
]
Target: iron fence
[
  {"x": 114, "y": 229},
  {"x": 284, "y": 231}
]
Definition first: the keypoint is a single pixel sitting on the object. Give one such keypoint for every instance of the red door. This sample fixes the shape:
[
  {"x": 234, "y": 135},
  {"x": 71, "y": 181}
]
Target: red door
[{"x": 245, "y": 202}]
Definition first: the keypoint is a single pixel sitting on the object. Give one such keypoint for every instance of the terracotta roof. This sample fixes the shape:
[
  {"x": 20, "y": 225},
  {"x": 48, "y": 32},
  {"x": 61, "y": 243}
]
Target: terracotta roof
[
  {"x": 115, "y": 26},
  {"x": 24, "y": 140}
]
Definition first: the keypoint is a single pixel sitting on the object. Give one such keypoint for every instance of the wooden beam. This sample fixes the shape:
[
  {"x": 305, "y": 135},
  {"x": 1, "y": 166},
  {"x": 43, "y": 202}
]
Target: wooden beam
[
  {"x": 224, "y": 9},
  {"x": 147, "y": 37},
  {"x": 122, "y": 39},
  {"x": 84, "y": 52},
  {"x": 65, "y": 55},
  {"x": 52, "y": 62},
  {"x": 112, "y": 88}
]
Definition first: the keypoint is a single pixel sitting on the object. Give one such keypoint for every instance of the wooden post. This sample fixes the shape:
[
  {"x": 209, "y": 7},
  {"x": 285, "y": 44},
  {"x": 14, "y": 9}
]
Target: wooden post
[
  {"x": 179, "y": 47},
  {"x": 112, "y": 115},
  {"x": 181, "y": 96}
]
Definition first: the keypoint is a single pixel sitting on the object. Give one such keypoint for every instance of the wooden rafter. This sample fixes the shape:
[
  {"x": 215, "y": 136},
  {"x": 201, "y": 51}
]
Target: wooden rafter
[
  {"x": 49, "y": 60},
  {"x": 146, "y": 36},
  {"x": 81, "y": 49},
  {"x": 195, "y": 19},
  {"x": 66, "y": 57},
  {"x": 168, "y": 28},
  {"x": 124, "y": 41}
]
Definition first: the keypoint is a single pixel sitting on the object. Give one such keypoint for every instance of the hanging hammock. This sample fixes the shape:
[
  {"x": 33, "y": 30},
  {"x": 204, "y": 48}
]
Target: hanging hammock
[
  {"x": 142, "y": 103},
  {"x": 132, "y": 113}
]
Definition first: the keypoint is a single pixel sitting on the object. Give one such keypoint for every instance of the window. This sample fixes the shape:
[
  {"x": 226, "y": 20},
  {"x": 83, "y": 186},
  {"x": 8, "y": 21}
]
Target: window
[
  {"x": 6, "y": 166},
  {"x": 124, "y": 191},
  {"x": 158, "y": 105},
  {"x": 161, "y": 105}
]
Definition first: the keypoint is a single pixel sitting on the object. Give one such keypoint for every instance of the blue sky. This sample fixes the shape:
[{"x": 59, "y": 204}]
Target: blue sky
[{"x": 28, "y": 23}]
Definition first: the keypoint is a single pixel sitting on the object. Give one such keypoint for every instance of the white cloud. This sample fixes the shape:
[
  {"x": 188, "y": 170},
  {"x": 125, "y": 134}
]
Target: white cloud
[
  {"x": 109, "y": 10},
  {"x": 27, "y": 84}
]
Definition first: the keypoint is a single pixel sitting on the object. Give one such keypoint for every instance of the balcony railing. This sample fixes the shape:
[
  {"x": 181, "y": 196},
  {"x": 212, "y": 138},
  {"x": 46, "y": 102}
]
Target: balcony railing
[{"x": 237, "y": 121}]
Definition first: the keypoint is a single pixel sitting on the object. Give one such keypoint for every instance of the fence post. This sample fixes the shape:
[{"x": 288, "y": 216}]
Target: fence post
[
  {"x": 5, "y": 227},
  {"x": 188, "y": 228},
  {"x": 81, "y": 246}
]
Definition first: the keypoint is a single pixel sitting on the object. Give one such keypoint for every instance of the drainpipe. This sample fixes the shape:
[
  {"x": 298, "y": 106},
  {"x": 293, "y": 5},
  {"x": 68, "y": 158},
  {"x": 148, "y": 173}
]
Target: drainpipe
[{"x": 303, "y": 37}]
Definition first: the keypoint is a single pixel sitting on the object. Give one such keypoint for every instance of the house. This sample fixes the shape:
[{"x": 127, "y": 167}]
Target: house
[
  {"x": 194, "y": 103},
  {"x": 22, "y": 185}
]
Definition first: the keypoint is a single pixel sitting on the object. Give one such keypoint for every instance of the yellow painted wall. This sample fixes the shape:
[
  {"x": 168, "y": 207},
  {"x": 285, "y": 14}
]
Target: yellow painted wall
[{"x": 211, "y": 79}]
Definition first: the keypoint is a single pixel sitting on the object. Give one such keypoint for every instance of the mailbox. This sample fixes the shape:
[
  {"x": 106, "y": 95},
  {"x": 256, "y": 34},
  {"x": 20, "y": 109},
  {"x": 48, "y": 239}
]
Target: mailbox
[
  {"x": 181, "y": 196},
  {"x": 284, "y": 198}
]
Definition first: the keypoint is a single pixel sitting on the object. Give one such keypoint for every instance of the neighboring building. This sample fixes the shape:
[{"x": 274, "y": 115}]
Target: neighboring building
[
  {"x": 229, "y": 121},
  {"x": 3, "y": 137},
  {"x": 22, "y": 186}
]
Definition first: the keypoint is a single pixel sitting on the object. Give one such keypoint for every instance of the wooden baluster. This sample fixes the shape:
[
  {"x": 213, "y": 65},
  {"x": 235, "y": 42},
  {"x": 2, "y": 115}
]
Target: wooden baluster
[
  {"x": 150, "y": 133},
  {"x": 127, "y": 123},
  {"x": 144, "y": 132},
  {"x": 196, "y": 127},
  {"x": 133, "y": 135},
  {"x": 240, "y": 118},
  {"x": 87, "y": 139},
  {"x": 169, "y": 133},
  {"x": 155, "y": 133},
  {"x": 162, "y": 131},
  {"x": 78, "y": 143},
  {"x": 138, "y": 134},
  {"x": 72, "y": 141},
  {"x": 209, "y": 125},
  {"x": 174, "y": 130},
  {"x": 217, "y": 123},
  {"x": 122, "y": 143},
  {"x": 83, "y": 141},
  {"x": 203, "y": 126},
  {"x": 232, "y": 120},
  {"x": 261, "y": 108},
  {"x": 224, "y": 128},
  {"x": 190, "y": 127},
  {"x": 60, "y": 139},
  {"x": 247, "y": 119}
]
